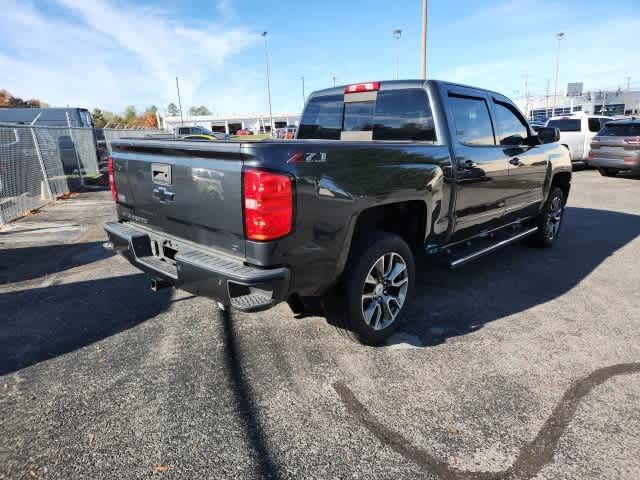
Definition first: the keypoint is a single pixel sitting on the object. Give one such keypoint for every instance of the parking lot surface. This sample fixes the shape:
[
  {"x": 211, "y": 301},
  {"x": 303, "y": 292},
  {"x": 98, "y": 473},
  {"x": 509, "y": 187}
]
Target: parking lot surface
[{"x": 525, "y": 364}]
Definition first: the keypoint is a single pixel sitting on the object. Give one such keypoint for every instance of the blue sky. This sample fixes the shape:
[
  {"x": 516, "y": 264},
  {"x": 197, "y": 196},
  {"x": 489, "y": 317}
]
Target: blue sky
[{"x": 111, "y": 53}]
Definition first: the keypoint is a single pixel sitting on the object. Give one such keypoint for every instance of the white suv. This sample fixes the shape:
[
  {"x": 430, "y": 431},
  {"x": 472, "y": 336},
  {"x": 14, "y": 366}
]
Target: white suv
[{"x": 577, "y": 131}]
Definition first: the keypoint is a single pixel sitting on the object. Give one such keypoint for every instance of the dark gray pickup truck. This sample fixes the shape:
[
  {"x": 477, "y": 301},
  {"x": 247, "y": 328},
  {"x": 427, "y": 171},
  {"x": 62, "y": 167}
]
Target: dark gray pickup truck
[{"x": 379, "y": 172}]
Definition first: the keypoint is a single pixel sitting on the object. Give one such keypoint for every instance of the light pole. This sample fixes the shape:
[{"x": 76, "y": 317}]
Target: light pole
[
  {"x": 266, "y": 62},
  {"x": 423, "y": 49},
  {"x": 397, "y": 34},
  {"x": 179, "y": 102},
  {"x": 559, "y": 36},
  {"x": 304, "y": 97},
  {"x": 334, "y": 80}
]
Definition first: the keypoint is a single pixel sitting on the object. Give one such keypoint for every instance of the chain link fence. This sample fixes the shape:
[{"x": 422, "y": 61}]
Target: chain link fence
[{"x": 38, "y": 164}]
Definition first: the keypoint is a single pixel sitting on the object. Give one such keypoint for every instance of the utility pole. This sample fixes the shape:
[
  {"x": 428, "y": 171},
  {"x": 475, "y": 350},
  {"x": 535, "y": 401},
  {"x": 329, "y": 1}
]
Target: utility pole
[
  {"x": 334, "y": 80},
  {"x": 628, "y": 83},
  {"x": 546, "y": 106},
  {"x": 179, "y": 102},
  {"x": 423, "y": 49},
  {"x": 559, "y": 36},
  {"x": 397, "y": 34},
  {"x": 525, "y": 75},
  {"x": 266, "y": 61}
]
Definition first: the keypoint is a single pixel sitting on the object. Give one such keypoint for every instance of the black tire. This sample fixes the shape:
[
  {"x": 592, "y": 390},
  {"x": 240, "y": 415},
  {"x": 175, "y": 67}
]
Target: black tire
[
  {"x": 364, "y": 278},
  {"x": 549, "y": 221},
  {"x": 608, "y": 172}
]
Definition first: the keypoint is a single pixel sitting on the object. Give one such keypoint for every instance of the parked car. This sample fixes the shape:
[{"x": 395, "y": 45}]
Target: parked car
[
  {"x": 617, "y": 148},
  {"x": 193, "y": 130},
  {"x": 213, "y": 137},
  {"x": 379, "y": 173},
  {"x": 244, "y": 131},
  {"x": 577, "y": 131}
]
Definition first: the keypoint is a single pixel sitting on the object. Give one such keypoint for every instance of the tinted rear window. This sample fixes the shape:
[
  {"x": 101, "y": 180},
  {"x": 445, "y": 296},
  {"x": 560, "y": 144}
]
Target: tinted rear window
[
  {"x": 565, "y": 125},
  {"x": 394, "y": 115},
  {"x": 613, "y": 130},
  {"x": 322, "y": 118},
  {"x": 358, "y": 116},
  {"x": 404, "y": 115}
]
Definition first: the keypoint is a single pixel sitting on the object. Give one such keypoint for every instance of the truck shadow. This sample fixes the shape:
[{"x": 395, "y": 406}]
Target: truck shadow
[
  {"x": 451, "y": 303},
  {"x": 38, "y": 324},
  {"x": 28, "y": 263}
]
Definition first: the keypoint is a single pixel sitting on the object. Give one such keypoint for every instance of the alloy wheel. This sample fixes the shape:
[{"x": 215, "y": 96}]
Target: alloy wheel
[{"x": 384, "y": 290}]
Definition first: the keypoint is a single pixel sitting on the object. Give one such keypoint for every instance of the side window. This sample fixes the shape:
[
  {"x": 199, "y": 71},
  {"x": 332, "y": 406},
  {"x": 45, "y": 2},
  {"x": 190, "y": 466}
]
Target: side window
[
  {"x": 603, "y": 122},
  {"x": 510, "y": 129},
  {"x": 472, "y": 121},
  {"x": 403, "y": 115},
  {"x": 594, "y": 124}
]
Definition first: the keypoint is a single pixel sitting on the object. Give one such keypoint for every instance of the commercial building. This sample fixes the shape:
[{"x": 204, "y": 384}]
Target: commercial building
[
  {"x": 601, "y": 102},
  {"x": 230, "y": 123}
]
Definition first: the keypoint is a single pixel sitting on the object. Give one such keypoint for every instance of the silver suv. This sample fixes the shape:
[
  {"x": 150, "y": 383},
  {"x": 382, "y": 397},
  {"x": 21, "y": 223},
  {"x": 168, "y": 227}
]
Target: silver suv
[{"x": 617, "y": 147}]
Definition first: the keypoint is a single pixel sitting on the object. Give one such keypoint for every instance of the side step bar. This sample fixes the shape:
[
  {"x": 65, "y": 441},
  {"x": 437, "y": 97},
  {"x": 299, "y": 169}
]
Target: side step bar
[{"x": 458, "y": 262}]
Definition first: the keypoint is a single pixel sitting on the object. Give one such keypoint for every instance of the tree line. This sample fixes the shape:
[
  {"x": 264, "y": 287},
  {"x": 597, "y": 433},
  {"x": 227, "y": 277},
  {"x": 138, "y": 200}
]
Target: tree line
[{"x": 174, "y": 111}]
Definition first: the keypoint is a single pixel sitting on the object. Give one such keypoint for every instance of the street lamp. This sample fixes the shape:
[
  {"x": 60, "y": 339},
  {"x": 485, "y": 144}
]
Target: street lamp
[
  {"x": 266, "y": 62},
  {"x": 559, "y": 36},
  {"x": 423, "y": 49},
  {"x": 397, "y": 34}
]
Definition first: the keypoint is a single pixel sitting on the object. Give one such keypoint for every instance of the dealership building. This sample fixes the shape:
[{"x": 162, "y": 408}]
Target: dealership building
[
  {"x": 600, "y": 102},
  {"x": 230, "y": 123}
]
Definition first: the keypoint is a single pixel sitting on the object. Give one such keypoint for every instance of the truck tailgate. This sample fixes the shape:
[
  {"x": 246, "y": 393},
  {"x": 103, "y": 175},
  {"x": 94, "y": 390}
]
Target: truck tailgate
[{"x": 190, "y": 190}]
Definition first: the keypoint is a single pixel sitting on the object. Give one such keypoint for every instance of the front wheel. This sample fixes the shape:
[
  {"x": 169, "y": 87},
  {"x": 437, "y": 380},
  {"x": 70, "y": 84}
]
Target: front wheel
[
  {"x": 549, "y": 220},
  {"x": 379, "y": 282}
]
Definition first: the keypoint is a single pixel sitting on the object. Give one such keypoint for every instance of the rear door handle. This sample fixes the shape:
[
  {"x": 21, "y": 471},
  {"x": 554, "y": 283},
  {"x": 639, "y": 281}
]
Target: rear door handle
[{"x": 515, "y": 161}]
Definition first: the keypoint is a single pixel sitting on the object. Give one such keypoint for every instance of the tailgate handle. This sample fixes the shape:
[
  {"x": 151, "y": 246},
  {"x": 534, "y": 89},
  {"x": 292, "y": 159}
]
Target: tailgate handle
[{"x": 163, "y": 194}]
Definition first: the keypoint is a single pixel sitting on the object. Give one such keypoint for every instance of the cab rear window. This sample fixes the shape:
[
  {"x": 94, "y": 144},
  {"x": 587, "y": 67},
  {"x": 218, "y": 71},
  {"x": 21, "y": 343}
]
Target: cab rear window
[
  {"x": 394, "y": 115},
  {"x": 565, "y": 125}
]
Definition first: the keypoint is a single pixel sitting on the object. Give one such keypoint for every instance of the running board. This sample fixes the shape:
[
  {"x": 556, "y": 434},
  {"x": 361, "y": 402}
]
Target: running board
[{"x": 458, "y": 262}]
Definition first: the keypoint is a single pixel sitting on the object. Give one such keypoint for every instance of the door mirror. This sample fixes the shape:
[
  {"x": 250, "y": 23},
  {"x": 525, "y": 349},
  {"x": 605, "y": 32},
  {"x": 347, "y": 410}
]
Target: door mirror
[{"x": 548, "y": 134}]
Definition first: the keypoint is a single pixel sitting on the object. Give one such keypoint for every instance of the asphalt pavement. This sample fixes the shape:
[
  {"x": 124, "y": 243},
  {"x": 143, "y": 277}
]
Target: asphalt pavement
[{"x": 524, "y": 364}]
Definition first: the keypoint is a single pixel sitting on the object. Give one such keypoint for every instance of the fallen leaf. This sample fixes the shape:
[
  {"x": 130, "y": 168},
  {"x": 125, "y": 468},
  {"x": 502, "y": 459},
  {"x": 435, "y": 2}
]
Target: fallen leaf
[
  {"x": 91, "y": 440},
  {"x": 453, "y": 430},
  {"x": 160, "y": 468},
  {"x": 33, "y": 473},
  {"x": 6, "y": 386}
]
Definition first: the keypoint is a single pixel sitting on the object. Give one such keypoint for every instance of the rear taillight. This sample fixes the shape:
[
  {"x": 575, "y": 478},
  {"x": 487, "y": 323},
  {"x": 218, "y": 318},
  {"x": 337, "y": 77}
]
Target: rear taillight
[
  {"x": 112, "y": 180},
  {"x": 268, "y": 204}
]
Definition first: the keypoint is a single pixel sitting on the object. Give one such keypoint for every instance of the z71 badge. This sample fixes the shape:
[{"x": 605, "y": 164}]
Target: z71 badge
[{"x": 308, "y": 157}]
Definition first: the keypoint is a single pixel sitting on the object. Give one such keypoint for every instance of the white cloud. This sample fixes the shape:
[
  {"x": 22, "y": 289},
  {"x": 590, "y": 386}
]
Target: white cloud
[{"x": 108, "y": 55}]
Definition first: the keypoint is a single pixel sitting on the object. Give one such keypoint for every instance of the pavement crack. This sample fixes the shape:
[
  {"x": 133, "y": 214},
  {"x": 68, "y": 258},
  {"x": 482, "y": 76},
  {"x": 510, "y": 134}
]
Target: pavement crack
[{"x": 531, "y": 457}]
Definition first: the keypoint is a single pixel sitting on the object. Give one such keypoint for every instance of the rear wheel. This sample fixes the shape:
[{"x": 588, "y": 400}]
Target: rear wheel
[
  {"x": 550, "y": 219},
  {"x": 608, "y": 172},
  {"x": 379, "y": 281}
]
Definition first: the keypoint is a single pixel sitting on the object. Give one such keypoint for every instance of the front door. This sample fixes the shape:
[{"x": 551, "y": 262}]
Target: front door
[
  {"x": 527, "y": 164},
  {"x": 481, "y": 169}
]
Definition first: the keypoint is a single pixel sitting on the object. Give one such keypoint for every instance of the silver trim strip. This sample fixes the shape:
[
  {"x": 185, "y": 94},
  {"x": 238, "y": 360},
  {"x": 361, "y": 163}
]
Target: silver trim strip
[{"x": 461, "y": 261}]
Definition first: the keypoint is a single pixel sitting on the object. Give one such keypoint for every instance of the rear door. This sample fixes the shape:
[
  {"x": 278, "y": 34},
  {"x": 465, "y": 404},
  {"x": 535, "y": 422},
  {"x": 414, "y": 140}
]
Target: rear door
[
  {"x": 481, "y": 168},
  {"x": 190, "y": 190}
]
